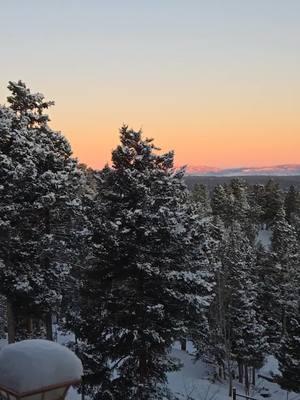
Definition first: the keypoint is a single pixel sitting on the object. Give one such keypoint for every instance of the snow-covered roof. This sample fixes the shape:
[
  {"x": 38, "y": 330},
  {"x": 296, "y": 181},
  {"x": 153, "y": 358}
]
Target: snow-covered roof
[{"x": 31, "y": 365}]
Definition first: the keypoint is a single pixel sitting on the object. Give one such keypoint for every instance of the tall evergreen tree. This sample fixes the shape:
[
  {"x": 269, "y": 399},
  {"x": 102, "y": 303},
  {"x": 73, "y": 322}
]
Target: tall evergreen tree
[
  {"x": 291, "y": 203},
  {"x": 222, "y": 204},
  {"x": 39, "y": 184},
  {"x": 256, "y": 199},
  {"x": 289, "y": 355},
  {"x": 146, "y": 284},
  {"x": 273, "y": 201},
  {"x": 235, "y": 325},
  {"x": 285, "y": 258},
  {"x": 267, "y": 289},
  {"x": 214, "y": 346},
  {"x": 240, "y": 201},
  {"x": 200, "y": 196},
  {"x": 247, "y": 333}
]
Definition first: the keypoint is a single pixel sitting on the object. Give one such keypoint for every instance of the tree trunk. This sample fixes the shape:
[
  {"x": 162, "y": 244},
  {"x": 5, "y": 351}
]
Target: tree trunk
[
  {"x": 11, "y": 323},
  {"x": 241, "y": 372},
  {"x": 49, "y": 328},
  {"x": 29, "y": 326},
  {"x": 247, "y": 383},
  {"x": 183, "y": 344},
  {"x": 229, "y": 376},
  {"x": 253, "y": 376},
  {"x": 142, "y": 376},
  {"x": 230, "y": 384},
  {"x": 225, "y": 372},
  {"x": 82, "y": 386}
]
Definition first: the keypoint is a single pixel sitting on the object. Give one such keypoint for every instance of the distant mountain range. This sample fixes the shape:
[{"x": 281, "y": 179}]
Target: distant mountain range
[{"x": 275, "y": 170}]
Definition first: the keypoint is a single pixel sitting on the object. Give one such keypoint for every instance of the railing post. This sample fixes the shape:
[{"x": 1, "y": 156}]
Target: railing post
[{"x": 234, "y": 394}]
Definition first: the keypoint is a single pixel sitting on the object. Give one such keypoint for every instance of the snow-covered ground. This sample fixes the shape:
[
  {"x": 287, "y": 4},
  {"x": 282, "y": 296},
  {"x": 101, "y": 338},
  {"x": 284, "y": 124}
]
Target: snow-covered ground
[{"x": 194, "y": 381}]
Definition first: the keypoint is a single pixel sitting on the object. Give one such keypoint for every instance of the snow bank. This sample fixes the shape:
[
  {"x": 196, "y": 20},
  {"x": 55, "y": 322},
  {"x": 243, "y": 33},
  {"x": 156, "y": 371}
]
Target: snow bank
[{"x": 33, "y": 364}]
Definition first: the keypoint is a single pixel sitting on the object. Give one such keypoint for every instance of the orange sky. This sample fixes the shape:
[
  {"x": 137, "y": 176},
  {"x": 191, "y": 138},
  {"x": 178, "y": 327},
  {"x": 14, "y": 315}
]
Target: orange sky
[
  {"x": 249, "y": 129},
  {"x": 216, "y": 81}
]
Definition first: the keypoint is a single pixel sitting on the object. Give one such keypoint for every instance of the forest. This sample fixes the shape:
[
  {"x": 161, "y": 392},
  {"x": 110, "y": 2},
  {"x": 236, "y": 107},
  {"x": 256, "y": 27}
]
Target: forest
[{"x": 130, "y": 260}]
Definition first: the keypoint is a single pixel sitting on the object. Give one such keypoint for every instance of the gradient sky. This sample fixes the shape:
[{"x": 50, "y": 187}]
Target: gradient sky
[{"x": 217, "y": 81}]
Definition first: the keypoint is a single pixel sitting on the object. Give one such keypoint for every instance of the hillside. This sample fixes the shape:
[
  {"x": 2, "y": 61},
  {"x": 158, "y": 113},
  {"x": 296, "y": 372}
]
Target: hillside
[{"x": 211, "y": 181}]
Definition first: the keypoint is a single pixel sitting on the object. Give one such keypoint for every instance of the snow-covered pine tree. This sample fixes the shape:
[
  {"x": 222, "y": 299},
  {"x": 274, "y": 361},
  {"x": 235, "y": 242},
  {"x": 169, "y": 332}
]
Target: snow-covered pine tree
[
  {"x": 243, "y": 212},
  {"x": 221, "y": 204},
  {"x": 232, "y": 204},
  {"x": 239, "y": 190},
  {"x": 213, "y": 347},
  {"x": 289, "y": 355},
  {"x": 273, "y": 201},
  {"x": 292, "y": 203},
  {"x": 200, "y": 196},
  {"x": 146, "y": 284},
  {"x": 267, "y": 290},
  {"x": 292, "y": 208},
  {"x": 242, "y": 336},
  {"x": 81, "y": 248},
  {"x": 285, "y": 258},
  {"x": 39, "y": 184},
  {"x": 246, "y": 332},
  {"x": 256, "y": 200}
]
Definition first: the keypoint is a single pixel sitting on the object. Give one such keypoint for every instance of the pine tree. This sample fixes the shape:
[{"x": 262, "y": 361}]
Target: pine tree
[
  {"x": 285, "y": 258},
  {"x": 214, "y": 347},
  {"x": 222, "y": 204},
  {"x": 291, "y": 203},
  {"x": 240, "y": 201},
  {"x": 292, "y": 208},
  {"x": 200, "y": 196},
  {"x": 289, "y": 356},
  {"x": 146, "y": 284},
  {"x": 273, "y": 201},
  {"x": 268, "y": 295},
  {"x": 81, "y": 249},
  {"x": 39, "y": 184},
  {"x": 256, "y": 199},
  {"x": 247, "y": 333},
  {"x": 240, "y": 335}
]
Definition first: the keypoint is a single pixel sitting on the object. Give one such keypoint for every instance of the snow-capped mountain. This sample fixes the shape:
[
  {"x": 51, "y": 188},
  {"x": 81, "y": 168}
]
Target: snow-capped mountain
[
  {"x": 202, "y": 170},
  {"x": 276, "y": 170}
]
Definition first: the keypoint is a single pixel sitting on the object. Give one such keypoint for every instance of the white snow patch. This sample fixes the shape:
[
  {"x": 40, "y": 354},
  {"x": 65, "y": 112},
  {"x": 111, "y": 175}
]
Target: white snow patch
[{"x": 264, "y": 237}]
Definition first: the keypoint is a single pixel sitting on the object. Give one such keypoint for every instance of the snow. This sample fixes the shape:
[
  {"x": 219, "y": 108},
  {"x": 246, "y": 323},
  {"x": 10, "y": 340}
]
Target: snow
[
  {"x": 195, "y": 380},
  {"x": 73, "y": 394},
  {"x": 3, "y": 342},
  {"x": 270, "y": 368},
  {"x": 30, "y": 365},
  {"x": 264, "y": 237},
  {"x": 62, "y": 337},
  {"x": 192, "y": 376}
]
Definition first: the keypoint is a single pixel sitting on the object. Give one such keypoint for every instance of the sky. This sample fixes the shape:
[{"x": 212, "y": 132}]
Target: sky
[{"x": 217, "y": 81}]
